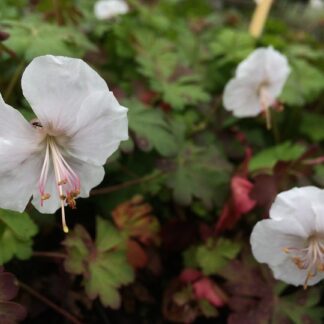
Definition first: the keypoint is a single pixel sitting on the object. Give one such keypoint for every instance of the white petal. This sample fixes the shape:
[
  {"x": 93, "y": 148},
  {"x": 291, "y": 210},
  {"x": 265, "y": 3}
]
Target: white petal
[
  {"x": 253, "y": 66},
  {"x": 99, "y": 128},
  {"x": 241, "y": 97},
  {"x": 18, "y": 139},
  {"x": 90, "y": 176},
  {"x": 288, "y": 272},
  {"x": 270, "y": 237},
  {"x": 17, "y": 185},
  {"x": 56, "y": 87},
  {"x": 266, "y": 65},
  {"x": 277, "y": 71},
  {"x": 296, "y": 204},
  {"x": 317, "y": 205},
  {"x": 107, "y": 9}
]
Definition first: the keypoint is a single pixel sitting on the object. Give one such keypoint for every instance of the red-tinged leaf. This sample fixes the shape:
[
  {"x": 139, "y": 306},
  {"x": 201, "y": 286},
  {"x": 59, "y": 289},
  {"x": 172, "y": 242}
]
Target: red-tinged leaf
[
  {"x": 204, "y": 288},
  {"x": 240, "y": 203},
  {"x": 190, "y": 275},
  {"x": 8, "y": 286},
  {"x": 11, "y": 313},
  {"x": 136, "y": 255},
  {"x": 135, "y": 218}
]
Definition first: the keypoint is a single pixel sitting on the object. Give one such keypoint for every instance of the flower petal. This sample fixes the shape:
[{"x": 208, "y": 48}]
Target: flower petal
[
  {"x": 296, "y": 204},
  {"x": 270, "y": 237},
  {"x": 56, "y": 87},
  {"x": 18, "y": 139},
  {"x": 17, "y": 185},
  {"x": 241, "y": 97},
  {"x": 288, "y": 272},
  {"x": 107, "y": 9},
  {"x": 100, "y": 126},
  {"x": 90, "y": 176}
]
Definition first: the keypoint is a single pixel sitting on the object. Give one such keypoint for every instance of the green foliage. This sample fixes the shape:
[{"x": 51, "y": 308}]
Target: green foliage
[
  {"x": 199, "y": 173},
  {"x": 267, "y": 158},
  {"x": 300, "y": 307},
  {"x": 33, "y": 37},
  {"x": 304, "y": 84},
  {"x": 312, "y": 126},
  {"x": 150, "y": 125},
  {"x": 16, "y": 234},
  {"x": 212, "y": 256},
  {"x": 102, "y": 263}
]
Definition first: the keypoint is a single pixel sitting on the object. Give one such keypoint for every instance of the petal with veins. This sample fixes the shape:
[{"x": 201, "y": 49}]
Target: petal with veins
[
  {"x": 269, "y": 238},
  {"x": 17, "y": 185},
  {"x": 99, "y": 128},
  {"x": 56, "y": 87},
  {"x": 296, "y": 203},
  {"x": 18, "y": 139}
]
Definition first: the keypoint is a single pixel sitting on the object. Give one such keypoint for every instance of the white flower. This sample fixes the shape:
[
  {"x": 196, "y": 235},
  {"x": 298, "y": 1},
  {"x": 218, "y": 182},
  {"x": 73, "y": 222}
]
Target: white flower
[
  {"x": 316, "y": 4},
  {"x": 258, "y": 81},
  {"x": 107, "y": 9},
  {"x": 60, "y": 155},
  {"x": 291, "y": 242}
]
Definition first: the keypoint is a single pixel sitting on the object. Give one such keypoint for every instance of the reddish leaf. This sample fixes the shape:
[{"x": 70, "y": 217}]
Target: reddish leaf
[
  {"x": 205, "y": 289},
  {"x": 11, "y": 313},
  {"x": 8, "y": 286},
  {"x": 240, "y": 203},
  {"x": 136, "y": 255},
  {"x": 135, "y": 218}
]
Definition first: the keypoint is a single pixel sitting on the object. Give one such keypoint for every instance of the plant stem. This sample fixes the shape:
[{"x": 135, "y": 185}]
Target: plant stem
[
  {"x": 58, "y": 16},
  {"x": 45, "y": 254},
  {"x": 124, "y": 185},
  {"x": 14, "y": 80},
  {"x": 49, "y": 303}
]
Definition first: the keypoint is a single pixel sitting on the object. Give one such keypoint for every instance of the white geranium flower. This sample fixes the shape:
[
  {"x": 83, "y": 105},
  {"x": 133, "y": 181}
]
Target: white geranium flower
[
  {"x": 291, "y": 242},
  {"x": 258, "y": 81},
  {"x": 316, "y": 4},
  {"x": 107, "y": 9},
  {"x": 59, "y": 156}
]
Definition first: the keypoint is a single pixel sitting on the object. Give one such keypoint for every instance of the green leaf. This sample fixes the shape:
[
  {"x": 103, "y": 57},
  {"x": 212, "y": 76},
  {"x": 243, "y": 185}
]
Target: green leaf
[
  {"x": 33, "y": 37},
  {"x": 304, "y": 84},
  {"x": 151, "y": 125},
  {"x": 16, "y": 232},
  {"x": 102, "y": 263},
  {"x": 301, "y": 307},
  {"x": 200, "y": 173},
  {"x": 213, "y": 256},
  {"x": 267, "y": 158},
  {"x": 312, "y": 126}
]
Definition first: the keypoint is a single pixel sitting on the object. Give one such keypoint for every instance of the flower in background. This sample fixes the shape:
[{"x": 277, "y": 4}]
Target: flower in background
[
  {"x": 59, "y": 156},
  {"x": 107, "y": 9},
  {"x": 316, "y": 4},
  {"x": 291, "y": 242},
  {"x": 258, "y": 81}
]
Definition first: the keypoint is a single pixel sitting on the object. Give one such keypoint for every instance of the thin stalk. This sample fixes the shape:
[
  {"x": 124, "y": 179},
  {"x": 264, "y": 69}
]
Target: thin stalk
[
  {"x": 14, "y": 80},
  {"x": 49, "y": 303},
  {"x": 124, "y": 185},
  {"x": 56, "y": 255}
]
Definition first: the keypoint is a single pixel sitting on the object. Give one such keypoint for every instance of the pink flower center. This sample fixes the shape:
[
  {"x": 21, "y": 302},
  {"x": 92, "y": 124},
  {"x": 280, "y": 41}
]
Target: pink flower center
[
  {"x": 309, "y": 258},
  {"x": 67, "y": 181}
]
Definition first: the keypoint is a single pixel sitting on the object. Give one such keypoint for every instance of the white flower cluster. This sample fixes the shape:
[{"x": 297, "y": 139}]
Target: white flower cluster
[
  {"x": 60, "y": 155},
  {"x": 108, "y": 9}
]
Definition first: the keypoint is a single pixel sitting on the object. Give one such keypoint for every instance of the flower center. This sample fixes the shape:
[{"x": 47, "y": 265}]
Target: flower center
[
  {"x": 309, "y": 258},
  {"x": 67, "y": 181}
]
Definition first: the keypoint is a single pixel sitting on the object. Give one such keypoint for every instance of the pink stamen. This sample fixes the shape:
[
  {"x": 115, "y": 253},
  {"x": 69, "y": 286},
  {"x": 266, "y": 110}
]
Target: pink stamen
[{"x": 67, "y": 181}]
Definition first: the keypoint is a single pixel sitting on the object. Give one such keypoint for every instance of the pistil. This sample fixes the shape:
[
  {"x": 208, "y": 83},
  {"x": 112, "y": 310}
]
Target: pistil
[{"x": 67, "y": 181}]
